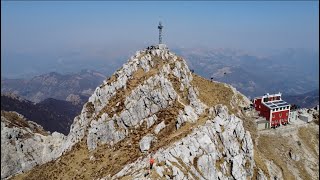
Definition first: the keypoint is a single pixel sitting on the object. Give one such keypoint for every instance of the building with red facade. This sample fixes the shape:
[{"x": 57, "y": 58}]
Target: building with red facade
[{"x": 273, "y": 108}]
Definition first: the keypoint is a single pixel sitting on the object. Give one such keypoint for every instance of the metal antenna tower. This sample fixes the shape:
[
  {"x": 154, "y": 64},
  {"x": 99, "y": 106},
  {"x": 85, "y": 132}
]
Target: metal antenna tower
[{"x": 160, "y": 32}]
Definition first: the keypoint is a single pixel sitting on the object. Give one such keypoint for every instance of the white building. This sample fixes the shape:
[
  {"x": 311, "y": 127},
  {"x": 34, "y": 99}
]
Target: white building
[
  {"x": 293, "y": 116},
  {"x": 305, "y": 117}
]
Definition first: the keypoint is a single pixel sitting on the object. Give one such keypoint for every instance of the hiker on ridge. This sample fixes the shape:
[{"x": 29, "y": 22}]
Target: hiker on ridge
[{"x": 151, "y": 162}]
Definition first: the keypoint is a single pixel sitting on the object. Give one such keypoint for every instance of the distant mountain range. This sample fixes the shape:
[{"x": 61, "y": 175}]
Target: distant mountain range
[
  {"x": 306, "y": 100},
  {"x": 51, "y": 100},
  {"x": 54, "y": 85},
  {"x": 51, "y": 114},
  {"x": 291, "y": 72},
  {"x": 155, "y": 108}
]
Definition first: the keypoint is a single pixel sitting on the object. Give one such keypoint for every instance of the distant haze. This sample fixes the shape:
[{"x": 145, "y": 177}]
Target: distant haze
[{"x": 91, "y": 34}]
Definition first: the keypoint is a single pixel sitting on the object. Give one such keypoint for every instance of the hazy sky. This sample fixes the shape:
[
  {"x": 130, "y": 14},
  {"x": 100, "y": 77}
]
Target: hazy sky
[{"x": 110, "y": 28}]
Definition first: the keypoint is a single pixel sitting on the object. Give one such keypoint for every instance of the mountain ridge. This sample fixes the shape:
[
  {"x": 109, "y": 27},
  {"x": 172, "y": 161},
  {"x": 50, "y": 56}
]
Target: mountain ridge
[
  {"x": 51, "y": 114},
  {"x": 153, "y": 90},
  {"x": 306, "y": 100},
  {"x": 155, "y": 106},
  {"x": 54, "y": 85}
]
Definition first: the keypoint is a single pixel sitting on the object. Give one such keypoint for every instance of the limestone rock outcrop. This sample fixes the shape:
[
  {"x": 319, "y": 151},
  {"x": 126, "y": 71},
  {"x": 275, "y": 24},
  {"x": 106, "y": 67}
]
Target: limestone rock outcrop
[
  {"x": 25, "y": 144},
  {"x": 145, "y": 142},
  {"x": 121, "y": 103},
  {"x": 204, "y": 154},
  {"x": 152, "y": 104}
]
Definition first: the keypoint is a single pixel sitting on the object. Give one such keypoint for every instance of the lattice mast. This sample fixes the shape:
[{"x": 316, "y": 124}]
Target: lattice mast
[{"x": 160, "y": 32}]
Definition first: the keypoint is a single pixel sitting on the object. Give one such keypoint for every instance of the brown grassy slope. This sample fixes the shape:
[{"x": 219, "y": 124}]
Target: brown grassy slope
[
  {"x": 213, "y": 93},
  {"x": 110, "y": 160},
  {"x": 76, "y": 163},
  {"x": 276, "y": 148},
  {"x": 259, "y": 161},
  {"x": 310, "y": 137},
  {"x": 273, "y": 149}
]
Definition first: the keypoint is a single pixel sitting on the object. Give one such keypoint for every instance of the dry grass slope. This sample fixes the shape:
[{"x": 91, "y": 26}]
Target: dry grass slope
[
  {"x": 276, "y": 149},
  {"x": 213, "y": 93},
  {"x": 75, "y": 164},
  {"x": 310, "y": 137}
]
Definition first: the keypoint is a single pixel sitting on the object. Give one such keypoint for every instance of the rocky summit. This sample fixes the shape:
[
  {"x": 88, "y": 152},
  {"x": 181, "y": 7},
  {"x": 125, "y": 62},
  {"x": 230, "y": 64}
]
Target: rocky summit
[{"x": 151, "y": 107}]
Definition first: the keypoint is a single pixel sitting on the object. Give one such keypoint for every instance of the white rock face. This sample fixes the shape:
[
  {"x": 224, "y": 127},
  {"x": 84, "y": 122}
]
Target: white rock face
[
  {"x": 149, "y": 97},
  {"x": 159, "y": 127},
  {"x": 22, "y": 148},
  {"x": 201, "y": 151},
  {"x": 77, "y": 131},
  {"x": 294, "y": 156},
  {"x": 274, "y": 170},
  {"x": 103, "y": 131},
  {"x": 145, "y": 142},
  {"x": 218, "y": 149},
  {"x": 261, "y": 175},
  {"x": 151, "y": 120}
]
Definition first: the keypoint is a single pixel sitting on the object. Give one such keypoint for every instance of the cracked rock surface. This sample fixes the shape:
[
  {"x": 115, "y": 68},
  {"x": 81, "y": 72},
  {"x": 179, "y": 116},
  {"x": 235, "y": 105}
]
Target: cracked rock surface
[
  {"x": 25, "y": 144},
  {"x": 204, "y": 154},
  {"x": 149, "y": 99}
]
